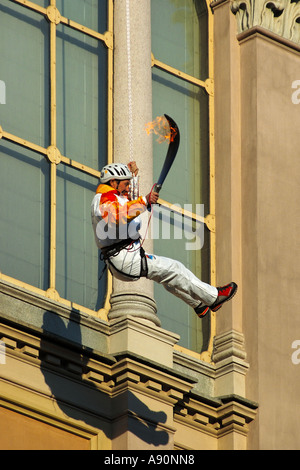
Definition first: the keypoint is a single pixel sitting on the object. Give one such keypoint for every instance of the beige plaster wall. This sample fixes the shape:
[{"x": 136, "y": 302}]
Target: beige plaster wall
[
  {"x": 271, "y": 223},
  {"x": 257, "y": 216}
]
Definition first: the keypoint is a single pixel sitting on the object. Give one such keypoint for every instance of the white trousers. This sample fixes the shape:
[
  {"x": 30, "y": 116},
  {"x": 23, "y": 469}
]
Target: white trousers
[{"x": 171, "y": 274}]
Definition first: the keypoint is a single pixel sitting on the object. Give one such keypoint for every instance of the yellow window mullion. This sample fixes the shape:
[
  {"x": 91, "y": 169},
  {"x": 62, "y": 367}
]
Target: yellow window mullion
[{"x": 53, "y": 142}]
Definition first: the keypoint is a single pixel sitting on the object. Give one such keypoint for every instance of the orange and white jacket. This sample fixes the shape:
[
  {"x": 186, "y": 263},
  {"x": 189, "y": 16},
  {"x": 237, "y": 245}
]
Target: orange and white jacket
[{"x": 114, "y": 216}]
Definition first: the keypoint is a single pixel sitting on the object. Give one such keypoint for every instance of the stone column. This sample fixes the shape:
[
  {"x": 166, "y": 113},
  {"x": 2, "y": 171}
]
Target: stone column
[{"x": 132, "y": 110}]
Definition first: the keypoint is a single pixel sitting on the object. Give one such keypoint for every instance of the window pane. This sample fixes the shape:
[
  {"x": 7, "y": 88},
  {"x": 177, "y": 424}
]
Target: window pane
[
  {"x": 24, "y": 68},
  {"x": 180, "y": 39},
  {"x": 78, "y": 264},
  {"x": 42, "y": 3},
  {"x": 90, "y": 13},
  {"x": 81, "y": 97},
  {"x": 188, "y": 106},
  {"x": 24, "y": 235},
  {"x": 180, "y": 36},
  {"x": 188, "y": 242}
]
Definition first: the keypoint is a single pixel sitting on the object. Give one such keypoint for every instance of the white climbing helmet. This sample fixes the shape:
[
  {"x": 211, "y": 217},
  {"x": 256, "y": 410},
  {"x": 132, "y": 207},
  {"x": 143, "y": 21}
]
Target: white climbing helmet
[{"x": 115, "y": 171}]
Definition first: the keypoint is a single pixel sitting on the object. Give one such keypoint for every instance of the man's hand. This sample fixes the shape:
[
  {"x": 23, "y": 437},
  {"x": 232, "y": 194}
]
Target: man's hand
[
  {"x": 133, "y": 168},
  {"x": 152, "y": 197}
]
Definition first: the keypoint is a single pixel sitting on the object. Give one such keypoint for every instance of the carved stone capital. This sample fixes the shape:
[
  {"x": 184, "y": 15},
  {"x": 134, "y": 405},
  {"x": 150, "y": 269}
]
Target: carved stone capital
[{"x": 281, "y": 17}]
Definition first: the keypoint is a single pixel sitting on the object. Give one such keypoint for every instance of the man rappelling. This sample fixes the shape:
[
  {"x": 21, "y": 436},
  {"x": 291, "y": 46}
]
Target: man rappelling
[{"x": 116, "y": 223}]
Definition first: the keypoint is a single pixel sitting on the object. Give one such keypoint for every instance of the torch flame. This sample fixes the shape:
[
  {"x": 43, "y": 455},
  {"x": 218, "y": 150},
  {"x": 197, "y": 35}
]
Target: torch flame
[{"x": 161, "y": 127}]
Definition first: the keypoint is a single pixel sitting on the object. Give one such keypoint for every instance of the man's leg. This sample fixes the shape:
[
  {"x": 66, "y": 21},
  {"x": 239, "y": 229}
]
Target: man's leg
[
  {"x": 174, "y": 277},
  {"x": 180, "y": 281}
]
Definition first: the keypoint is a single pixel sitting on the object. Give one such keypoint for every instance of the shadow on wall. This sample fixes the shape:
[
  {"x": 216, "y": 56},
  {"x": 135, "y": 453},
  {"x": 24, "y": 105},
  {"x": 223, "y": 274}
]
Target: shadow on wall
[{"x": 79, "y": 398}]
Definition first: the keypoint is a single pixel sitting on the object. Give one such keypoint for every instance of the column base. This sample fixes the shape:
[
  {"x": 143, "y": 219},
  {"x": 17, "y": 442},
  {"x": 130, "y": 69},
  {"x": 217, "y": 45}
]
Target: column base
[
  {"x": 229, "y": 356},
  {"x": 124, "y": 304}
]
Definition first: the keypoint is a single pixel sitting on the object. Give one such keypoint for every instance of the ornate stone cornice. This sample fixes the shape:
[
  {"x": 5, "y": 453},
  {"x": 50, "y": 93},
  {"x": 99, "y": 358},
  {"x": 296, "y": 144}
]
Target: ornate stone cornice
[{"x": 281, "y": 17}]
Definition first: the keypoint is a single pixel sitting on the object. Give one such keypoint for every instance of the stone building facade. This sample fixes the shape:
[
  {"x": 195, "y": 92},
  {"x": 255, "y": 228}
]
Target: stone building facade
[{"x": 107, "y": 365}]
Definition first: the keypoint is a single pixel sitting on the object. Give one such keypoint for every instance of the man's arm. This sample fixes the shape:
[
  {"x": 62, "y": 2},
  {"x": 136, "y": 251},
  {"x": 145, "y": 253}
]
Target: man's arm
[{"x": 115, "y": 213}]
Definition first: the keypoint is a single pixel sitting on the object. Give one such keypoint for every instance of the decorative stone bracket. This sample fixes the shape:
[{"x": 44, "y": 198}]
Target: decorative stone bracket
[{"x": 281, "y": 17}]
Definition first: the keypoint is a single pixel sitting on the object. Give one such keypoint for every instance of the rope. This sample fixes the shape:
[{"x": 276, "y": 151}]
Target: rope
[
  {"x": 129, "y": 81},
  {"x": 130, "y": 113},
  {"x": 146, "y": 232}
]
